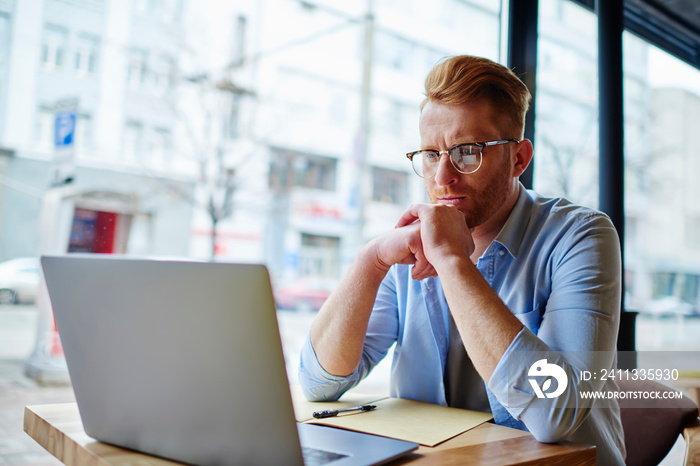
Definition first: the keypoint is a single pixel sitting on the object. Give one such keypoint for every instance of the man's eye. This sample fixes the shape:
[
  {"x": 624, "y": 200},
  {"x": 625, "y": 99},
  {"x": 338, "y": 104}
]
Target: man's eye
[
  {"x": 431, "y": 155},
  {"x": 465, "y": 150}
]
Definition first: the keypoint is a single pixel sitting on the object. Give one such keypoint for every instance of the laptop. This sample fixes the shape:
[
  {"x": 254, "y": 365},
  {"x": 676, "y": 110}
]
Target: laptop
[{"x": 183, "y": 360}]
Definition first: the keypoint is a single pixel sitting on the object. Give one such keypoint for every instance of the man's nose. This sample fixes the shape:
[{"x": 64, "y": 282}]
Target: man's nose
[{"x": 446, "y": 173}]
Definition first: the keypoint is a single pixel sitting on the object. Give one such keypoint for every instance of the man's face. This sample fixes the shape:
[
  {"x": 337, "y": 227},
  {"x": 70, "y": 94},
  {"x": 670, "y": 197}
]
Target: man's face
[{"x": 481, "y": 195}]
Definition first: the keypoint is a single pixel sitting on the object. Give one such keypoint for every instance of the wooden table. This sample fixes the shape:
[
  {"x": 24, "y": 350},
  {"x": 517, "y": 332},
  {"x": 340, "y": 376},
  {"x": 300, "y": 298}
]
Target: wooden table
[{"x": 58, "y": 428}]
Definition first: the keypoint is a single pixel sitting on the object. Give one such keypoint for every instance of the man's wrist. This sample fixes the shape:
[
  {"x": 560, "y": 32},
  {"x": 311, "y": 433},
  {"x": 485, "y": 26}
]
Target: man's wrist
[
  {"x": 452, "y": 263},
  {"x": 369, "y": 258}
]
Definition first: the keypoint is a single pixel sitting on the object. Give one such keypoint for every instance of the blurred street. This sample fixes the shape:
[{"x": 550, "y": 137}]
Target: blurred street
[
  {"x": 17, "y": 334},
  {"x": 17, "y": 331},
  {"x": 17, "y": 391}
]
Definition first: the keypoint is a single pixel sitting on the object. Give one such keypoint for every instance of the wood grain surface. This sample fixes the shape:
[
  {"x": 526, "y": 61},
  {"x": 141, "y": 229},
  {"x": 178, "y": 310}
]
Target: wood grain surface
[{"x": 58, "y": 428}]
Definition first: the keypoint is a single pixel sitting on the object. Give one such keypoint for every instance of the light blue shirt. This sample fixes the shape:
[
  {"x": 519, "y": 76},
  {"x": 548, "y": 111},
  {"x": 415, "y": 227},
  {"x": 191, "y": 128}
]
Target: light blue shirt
[{"x": 557, "y": 267}]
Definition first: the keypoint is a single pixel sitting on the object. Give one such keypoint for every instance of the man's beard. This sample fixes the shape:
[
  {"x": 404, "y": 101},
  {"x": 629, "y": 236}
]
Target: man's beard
[{"x": 483, "y": 203}]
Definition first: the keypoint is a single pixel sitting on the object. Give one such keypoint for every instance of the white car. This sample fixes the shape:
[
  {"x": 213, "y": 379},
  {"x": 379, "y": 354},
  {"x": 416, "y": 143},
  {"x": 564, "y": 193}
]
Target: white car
[{"x": 19, "y": 280}]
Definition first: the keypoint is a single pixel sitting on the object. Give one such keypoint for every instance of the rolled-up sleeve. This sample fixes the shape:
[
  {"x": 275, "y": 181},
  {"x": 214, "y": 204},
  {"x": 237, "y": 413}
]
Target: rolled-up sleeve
[
  {"x": 577, "y": 332},
  {"x": 319, "y": 385},
  {"x": 316, "y": 383}
]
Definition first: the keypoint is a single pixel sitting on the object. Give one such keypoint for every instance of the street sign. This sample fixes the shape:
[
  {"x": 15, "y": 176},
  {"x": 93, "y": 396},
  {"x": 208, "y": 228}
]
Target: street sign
[
  {"x": 66, "y": 118},
  {"x": 65, "y": 128}
]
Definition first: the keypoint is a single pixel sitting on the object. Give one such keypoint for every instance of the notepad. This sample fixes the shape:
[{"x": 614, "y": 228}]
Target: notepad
[{"x": 414, "y": 421}]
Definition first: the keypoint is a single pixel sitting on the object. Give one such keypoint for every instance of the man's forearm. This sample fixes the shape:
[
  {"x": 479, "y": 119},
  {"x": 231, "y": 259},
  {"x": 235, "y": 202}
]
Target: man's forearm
[
  {"x": 485, "y": 323},
  {"x": 338, "y": 331}
]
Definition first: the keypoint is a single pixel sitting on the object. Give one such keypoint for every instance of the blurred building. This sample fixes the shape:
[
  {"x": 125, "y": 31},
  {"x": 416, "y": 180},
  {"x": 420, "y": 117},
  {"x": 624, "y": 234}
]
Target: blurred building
[
  {"x": 338, "y": 87},
  {"x": 661, "y": 264},
  {"x": 665, "y": 267},
  {"x": 275, "y": 131},
  {"x": 114, "y": 61}
]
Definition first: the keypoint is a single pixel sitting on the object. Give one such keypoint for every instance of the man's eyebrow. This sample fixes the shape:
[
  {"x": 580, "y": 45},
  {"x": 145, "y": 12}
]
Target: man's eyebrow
[
  {"x": 466, "y": 138},
  {"x": 456, "y": 142}
]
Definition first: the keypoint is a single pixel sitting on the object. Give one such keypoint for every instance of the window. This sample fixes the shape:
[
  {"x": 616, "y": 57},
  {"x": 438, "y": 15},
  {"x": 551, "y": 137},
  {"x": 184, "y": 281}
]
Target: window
[
  {"x": 662, "y": 252},
  {"x": 86, "y": 54},
  {"x": 159, "y": 146},
  {"x": 319, "y": 256},
  {"x": 682, "y": 286},
  {"x": 662, "y": 113},
  {"x": 133, "y": 135},
  {"x": 53, "y": 47},
  {"x": 137, "y": 70},
  {"x": 566, "y": 139},
  {"x": 295, "y": 140},
  {"x": 164, "y": 10},
  {"x": 289, "y": 169},
  {"x": 390, "y": 186},
  {"x": 689, "y": 290},
  {"x": 163, "y": 75},
  {"x": 662, "y": 284}
]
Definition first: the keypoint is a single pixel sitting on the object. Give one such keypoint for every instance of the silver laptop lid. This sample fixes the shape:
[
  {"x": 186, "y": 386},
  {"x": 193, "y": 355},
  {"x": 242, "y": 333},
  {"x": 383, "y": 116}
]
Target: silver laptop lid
[{"x": 151, "y": 348}]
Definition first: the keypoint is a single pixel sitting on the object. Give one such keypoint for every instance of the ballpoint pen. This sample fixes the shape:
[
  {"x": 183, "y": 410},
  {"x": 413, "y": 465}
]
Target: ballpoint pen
[{"x": 334, "y": 412}]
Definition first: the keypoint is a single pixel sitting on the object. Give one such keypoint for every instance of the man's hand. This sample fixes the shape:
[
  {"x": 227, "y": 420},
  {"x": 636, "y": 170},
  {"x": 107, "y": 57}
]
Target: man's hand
[
  {"x": 443, "y": 232},
  {"x": 402, "y": 246},
  {"x": 486, "y": 325}
]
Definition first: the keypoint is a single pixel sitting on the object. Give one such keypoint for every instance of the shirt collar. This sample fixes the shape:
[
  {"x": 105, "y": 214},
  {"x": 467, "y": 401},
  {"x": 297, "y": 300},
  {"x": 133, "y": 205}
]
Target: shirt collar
[{"x": 513, "y": 230}]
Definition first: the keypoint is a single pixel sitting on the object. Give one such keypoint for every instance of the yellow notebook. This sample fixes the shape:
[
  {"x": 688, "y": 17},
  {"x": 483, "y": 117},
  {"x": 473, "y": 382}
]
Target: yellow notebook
[{"x": 414, "y": 421}]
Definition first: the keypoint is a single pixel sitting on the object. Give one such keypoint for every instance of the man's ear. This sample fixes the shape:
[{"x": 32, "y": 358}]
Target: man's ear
[{"x": 522, "y": 156}]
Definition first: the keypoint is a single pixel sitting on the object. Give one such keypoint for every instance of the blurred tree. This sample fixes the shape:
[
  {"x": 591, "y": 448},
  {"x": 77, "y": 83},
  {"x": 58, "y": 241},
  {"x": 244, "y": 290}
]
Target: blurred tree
[{"x": 210, "y": 121}]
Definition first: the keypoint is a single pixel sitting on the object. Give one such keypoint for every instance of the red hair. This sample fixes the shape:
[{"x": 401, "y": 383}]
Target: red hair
[{"x": 464, "y": 78}]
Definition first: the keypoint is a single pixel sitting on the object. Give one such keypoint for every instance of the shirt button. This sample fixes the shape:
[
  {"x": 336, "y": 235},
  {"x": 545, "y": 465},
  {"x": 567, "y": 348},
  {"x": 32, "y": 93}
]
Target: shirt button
[{"x": 501, "y": 253}]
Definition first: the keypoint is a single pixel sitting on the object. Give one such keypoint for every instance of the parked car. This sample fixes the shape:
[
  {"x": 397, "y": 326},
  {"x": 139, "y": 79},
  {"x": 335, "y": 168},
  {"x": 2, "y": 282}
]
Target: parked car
[
  {"x": 305, "y": 294},
  {"x": 668, "y": 306},
  {"x": 19, "y": 280}
]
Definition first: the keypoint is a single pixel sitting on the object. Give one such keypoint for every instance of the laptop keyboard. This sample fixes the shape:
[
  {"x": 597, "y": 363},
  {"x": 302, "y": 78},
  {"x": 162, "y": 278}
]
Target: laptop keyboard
[{"x": 316, "y": 457}]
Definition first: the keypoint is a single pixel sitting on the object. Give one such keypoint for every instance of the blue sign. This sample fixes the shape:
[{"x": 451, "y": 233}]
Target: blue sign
[{"x": 64, "y": 129}]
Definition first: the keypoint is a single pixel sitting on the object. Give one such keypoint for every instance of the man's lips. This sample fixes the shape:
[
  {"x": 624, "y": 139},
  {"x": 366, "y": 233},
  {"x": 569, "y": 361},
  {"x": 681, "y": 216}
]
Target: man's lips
[{"x": 450, "y": 200}]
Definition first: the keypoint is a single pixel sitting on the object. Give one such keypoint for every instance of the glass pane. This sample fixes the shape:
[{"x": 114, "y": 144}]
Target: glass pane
[
  {"x": 661, "y": 109},
  {"x": 662, "y": 247},
  {"x": 566, "y": 129},
  {"x": 264, "y": 131}
]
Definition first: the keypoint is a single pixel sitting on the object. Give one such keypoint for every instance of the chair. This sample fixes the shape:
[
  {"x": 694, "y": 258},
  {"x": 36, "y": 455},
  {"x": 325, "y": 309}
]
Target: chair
[{"x": 651, "y": 426}]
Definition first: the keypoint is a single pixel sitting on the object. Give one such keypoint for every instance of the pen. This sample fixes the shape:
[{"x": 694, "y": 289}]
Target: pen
[{"x": 334, "y": 412}]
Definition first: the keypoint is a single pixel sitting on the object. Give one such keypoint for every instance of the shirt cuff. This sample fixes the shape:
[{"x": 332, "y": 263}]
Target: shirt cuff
[
  {"x": 509, "y": 381},
  {"x": 316, "y": 383}
]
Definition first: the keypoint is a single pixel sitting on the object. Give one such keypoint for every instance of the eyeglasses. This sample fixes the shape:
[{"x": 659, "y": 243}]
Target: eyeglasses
[{"x": 466, "y": 158}]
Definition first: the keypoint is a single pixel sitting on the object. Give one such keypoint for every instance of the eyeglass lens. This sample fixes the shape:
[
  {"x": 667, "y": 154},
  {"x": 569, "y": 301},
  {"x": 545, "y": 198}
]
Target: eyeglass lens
[{"x": 466, "y": 159}]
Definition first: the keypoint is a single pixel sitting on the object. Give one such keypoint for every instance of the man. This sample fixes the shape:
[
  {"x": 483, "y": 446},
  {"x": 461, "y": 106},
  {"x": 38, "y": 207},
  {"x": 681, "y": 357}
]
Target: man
[{"x": 482, "y": 283}]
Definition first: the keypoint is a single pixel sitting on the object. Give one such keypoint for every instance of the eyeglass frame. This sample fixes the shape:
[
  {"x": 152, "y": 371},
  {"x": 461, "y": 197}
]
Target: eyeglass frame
[{"x": 479, "y": 145}]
